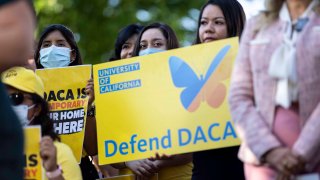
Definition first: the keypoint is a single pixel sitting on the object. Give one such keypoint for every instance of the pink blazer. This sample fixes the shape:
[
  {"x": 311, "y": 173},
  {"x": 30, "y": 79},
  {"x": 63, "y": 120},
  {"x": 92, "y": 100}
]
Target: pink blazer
[{"x": 252, "y": 92}]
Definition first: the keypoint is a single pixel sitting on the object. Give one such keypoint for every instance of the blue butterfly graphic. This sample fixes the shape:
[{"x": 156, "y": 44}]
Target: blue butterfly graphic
[{"x": 196, "y": 88}]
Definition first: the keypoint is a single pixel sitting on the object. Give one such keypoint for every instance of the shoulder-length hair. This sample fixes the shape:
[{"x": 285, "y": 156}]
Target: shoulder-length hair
[
  {"x": 167, "y": 31},
  {"x": 123, "y": 35},
  {"x": 233, "y": 13},
  {"x": 67, "y": 34}
]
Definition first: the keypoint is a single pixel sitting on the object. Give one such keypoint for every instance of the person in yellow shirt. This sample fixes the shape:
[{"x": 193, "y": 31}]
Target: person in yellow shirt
[{"x": 26, "y": 92}]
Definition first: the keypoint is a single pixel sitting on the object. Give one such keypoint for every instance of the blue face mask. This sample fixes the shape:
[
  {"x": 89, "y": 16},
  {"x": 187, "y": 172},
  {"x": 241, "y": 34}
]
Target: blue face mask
[
  {"x": 150, "y": 51},
  {"x": 54, "y": 56}
]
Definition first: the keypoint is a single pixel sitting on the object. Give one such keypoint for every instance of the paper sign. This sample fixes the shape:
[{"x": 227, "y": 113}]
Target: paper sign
[
  {"x": 65, "y": 93},
  {"x": 32, "y": 163},
  {"x": 171, "y": 102}
]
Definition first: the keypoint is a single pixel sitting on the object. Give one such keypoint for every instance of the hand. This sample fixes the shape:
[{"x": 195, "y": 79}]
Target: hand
[
  {"x": 143, "y": 168},
  {"x": 48, "y": 154},
  {"x": 284, "y": 161},
  {"x": 293, "y": 168},
  {"x": 160, "y": 157},
  {"x": 90, "y": 91}
]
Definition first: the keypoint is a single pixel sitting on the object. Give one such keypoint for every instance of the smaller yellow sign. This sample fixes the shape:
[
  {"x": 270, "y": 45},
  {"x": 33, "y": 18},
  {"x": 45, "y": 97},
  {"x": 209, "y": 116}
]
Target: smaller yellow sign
[
  {"x": 67, "y": 100},
  {"x": 32, "y": 160}
]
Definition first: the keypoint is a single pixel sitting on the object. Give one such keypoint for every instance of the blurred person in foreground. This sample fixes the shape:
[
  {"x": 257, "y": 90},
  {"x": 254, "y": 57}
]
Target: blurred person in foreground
[
  {"x": 17, "y": 22},
  {"x": 274, "y": 95}
]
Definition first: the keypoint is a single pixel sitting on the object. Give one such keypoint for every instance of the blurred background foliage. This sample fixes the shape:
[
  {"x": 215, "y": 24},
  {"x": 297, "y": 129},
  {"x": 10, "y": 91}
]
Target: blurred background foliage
[{"x": 96, "y": 23}]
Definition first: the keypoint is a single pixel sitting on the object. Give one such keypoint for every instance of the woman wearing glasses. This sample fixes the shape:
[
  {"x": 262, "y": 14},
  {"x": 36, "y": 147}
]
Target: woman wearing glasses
[{"x": 26, "y": 92}]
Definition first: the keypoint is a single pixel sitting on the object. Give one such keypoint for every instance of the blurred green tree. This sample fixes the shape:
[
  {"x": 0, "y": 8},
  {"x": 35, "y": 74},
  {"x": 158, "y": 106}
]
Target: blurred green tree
[{"x": 96, "y": 23}]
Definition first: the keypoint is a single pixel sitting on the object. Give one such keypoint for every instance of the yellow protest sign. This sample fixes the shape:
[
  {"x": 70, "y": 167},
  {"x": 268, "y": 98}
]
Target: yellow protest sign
[
  {"x": 65, "y": 93},
  {"x": 32, "y": 163},
  {"x": 171, "y": 102}
]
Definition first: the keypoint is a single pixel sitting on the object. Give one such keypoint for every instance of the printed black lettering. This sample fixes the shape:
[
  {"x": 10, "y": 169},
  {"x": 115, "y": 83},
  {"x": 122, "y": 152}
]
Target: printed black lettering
[
  {"x": 59, "y": 96},
  {"x": 83, "y": 91},
  {"x": 33, "y": 160},
  {"x": 52, "y": 96}
]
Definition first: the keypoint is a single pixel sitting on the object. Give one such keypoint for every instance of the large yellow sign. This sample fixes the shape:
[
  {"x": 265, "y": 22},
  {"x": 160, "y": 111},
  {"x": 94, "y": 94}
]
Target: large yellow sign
[
  {"x": 171, "y": 102},
  {"x": 65, "y": 93},
  {"x": 32, "y": 163}
]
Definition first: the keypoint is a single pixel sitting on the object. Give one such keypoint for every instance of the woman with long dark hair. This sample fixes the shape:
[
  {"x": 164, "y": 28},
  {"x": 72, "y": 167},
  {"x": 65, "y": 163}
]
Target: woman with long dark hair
[
  {"x": 125, "y": 42},
  {"x": 219, "y": 19}
]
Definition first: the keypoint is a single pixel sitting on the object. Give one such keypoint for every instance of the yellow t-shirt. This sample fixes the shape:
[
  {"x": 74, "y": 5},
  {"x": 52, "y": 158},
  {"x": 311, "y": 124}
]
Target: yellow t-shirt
[
  {"x": 67, "y": 162},
  {"x": 182, "y": 172}
]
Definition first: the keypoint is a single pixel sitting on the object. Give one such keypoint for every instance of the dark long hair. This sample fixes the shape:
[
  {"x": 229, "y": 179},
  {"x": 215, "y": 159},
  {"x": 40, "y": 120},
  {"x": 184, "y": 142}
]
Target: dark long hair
[
  {"x": 67, "y": 34},
  {"x": 233, "y": 13},
  {"x": 168, "y": 33},
  {"x": 123, "y": 35},
  {"x": 43, "y": 118}
]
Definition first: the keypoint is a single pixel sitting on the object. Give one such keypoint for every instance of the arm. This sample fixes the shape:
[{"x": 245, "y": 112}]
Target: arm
[
  {"x": 142, "y": 168},
  {"x": 250, "y": 125},
  {"x": 106, "y": 170},
  {"x": 90, "y": 137},
  {"x": 308, "y": 142},
  {"x": 90, "y": 92},
  {"x": 67, "y": 161},
  {"x": 48, "y": 153},
  {"x": 17, "y": 24}
]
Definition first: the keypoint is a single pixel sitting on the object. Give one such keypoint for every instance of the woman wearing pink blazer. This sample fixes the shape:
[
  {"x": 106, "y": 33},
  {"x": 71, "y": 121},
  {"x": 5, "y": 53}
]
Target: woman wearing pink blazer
[{"x": 275, "y": 91}]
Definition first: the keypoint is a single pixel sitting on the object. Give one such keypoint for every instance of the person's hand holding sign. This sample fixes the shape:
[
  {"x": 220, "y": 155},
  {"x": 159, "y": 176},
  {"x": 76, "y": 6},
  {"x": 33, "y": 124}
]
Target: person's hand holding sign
[
  {"x": 143, "y": 168},
  {"x": 90, "y": 91},
  {"x": 160, "y": 157},
  {"x": 48, "y": 154}
]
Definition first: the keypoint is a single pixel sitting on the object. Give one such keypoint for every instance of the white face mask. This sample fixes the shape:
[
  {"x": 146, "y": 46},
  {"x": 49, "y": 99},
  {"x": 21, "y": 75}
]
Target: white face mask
[
  {"x": 53, "y": 57},
  {"x": 22, "y": 113},
  {"x": 150, "y": 51}
]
